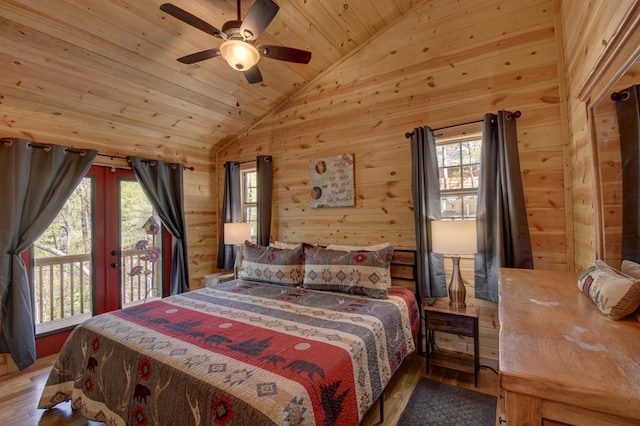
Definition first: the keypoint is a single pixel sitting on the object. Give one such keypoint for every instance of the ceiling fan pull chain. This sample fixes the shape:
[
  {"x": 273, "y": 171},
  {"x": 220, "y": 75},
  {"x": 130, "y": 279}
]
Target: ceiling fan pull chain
[{"x": 238, "y": 99}]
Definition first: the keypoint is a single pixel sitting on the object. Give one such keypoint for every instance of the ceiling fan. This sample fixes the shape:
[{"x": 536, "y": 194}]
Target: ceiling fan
[{"x": 238, "y": 47}]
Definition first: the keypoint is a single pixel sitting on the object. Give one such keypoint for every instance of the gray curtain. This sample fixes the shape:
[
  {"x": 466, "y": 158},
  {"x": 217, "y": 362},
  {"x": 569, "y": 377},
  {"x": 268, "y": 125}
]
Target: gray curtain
[
  {"x": 627, "y": 102},
  {"x": 425, "y": 188},
  {"x": 37, "y": 180},
  {"x": 264, "y": 171},
  {"x": 163, "y": 185},
  {"x": 503, "y": 230},
  {"x": 231, "y": 206}
]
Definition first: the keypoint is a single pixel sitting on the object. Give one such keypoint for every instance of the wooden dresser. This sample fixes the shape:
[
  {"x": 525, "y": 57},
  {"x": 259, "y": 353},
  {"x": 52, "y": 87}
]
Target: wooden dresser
[{"x": 561, "y": 359}]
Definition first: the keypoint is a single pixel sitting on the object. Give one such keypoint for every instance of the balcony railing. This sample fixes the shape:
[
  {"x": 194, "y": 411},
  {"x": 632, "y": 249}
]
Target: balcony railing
[{"x": 63, "y": 287}]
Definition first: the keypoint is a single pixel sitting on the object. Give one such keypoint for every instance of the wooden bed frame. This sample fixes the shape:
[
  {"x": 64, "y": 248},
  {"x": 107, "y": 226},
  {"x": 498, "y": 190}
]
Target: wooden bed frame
[{"x": 404, "y": 274}]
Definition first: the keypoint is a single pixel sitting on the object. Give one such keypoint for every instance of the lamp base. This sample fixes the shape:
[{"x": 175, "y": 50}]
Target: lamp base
[
  {"x": 237, "y": 266},
  {"x": 457, "y": 292}
]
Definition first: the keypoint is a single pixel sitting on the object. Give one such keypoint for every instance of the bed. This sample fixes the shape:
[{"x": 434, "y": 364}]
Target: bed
[{"x": 242, "y": 352}]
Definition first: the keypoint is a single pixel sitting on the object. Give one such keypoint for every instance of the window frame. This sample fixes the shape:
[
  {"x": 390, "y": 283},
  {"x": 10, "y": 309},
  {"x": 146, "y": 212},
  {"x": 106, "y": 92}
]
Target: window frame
[
  {"x": 244, "y": 171},
  {"x": 458, "y": 135}
]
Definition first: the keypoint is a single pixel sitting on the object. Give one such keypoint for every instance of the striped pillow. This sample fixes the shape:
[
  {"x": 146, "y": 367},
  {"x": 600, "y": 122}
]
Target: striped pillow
[
  {"x": 353, "y": 272},
  {"x": 272, "y": 265},
  {"x": 616, "y": 294}
]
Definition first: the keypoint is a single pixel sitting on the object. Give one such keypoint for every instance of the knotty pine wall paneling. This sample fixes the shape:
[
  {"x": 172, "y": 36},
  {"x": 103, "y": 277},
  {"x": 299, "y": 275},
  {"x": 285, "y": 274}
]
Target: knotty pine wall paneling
[
  {"x": 443, "y": 63},
  {"x": 587, "y": 27}
]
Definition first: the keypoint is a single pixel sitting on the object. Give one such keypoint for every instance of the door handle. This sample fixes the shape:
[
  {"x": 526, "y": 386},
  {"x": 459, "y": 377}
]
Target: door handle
[{"x": 114, "y": 265}]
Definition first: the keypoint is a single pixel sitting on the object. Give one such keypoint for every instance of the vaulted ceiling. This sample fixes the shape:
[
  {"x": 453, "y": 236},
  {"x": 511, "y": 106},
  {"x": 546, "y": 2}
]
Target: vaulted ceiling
[{"x": 105, "y": 71}]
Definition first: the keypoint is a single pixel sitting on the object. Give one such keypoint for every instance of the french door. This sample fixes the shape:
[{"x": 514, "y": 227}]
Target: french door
[{"x": 103, "y": 252}]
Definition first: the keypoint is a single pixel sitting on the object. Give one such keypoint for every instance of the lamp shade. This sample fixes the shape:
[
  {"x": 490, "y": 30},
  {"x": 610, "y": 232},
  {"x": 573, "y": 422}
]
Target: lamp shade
[
  {"x": 454, "y": 237},
  {"x": 239, "y": 55},
  {"x": 236, "y": 233}
]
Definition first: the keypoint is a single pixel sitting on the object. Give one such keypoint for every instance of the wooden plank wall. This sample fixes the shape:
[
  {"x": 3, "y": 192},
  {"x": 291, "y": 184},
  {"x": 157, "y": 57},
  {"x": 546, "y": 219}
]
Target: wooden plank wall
[
  {"x": 587, "y": 28},
  {"x": 443, "y": 63}
]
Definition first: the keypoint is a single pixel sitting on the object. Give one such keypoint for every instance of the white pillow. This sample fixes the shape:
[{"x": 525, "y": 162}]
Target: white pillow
[
  {"x": 282, "y": 245},
  {"x": 630, "y": 268},
  {"x": 374, "y": 247}
]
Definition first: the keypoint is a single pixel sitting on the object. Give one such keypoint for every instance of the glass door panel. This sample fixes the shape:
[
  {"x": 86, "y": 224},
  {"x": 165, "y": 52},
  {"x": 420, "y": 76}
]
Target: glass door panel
[
  {"x": 63, "y": 264},
  {"x": 140, "y": 245},
  {"x": 103, "y": 251}
]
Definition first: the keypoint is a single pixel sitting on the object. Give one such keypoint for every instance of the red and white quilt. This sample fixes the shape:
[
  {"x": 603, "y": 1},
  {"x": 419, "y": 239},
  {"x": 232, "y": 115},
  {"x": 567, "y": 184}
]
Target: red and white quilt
[{"x": 239, "y": 353}]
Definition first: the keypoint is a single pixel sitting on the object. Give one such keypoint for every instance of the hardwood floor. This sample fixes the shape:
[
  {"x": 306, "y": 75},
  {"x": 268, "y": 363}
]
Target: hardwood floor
[{"x": 20, "y": 392}]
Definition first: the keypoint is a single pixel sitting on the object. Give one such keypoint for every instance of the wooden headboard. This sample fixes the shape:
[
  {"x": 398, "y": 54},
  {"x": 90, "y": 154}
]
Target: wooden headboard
[
  {"x": 404, "y": 274},
  {"x": 403, "y": 269}
]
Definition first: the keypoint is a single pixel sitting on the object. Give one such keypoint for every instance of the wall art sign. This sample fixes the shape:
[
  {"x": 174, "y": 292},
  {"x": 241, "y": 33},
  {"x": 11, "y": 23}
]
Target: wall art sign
[{"x": 331, "y": 181}]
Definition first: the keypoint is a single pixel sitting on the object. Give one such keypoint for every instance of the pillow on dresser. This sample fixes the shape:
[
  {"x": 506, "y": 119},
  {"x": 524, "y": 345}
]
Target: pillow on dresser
[
  {"x": 272, "y": 265},
  {"x": 353, "y": 272},
  {"x": 630, "y": 268},
  {"x": 616, "y": 294}
]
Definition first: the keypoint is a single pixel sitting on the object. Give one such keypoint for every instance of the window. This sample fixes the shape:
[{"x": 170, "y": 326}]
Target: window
[
  {"x": 459, "y": 173},
  {"x": 250, "y": 200}
]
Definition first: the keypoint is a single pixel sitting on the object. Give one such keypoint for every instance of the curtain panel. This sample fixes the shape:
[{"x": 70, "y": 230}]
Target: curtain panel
[
  {"x": 503, "y": 229},
  {"x": 231, "y": 212},
  {"x": 37, "y": 179},
  {"x": 425, "y": 188},
  {"x": 264, "y": 171},
  {"x": 163, "y": 184},
  {"x": 628, "y": 112}
]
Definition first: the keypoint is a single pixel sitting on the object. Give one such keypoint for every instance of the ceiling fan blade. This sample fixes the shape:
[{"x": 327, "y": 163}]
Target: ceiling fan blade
[
  {"x": 200, "y": 56},
  {"x": 190, "y": 19},
  {"x": 283, "y": 53},
  {"x": 259, "y": 16},
  {"x": 253, "y": 75}
]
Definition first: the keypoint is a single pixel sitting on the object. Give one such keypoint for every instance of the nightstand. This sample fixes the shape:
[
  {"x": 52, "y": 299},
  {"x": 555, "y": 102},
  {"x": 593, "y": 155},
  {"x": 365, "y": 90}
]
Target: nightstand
[
  {"x": 462, "y": 322},
  {"x": 217, "y": 278}
]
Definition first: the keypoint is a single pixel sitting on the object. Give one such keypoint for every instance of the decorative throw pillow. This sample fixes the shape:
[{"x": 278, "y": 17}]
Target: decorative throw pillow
[
  {"x": 374, "y": 247},
  {"x": 353, "y": 272},
  {"x": 616, "y": 294},
  {"x": 272, "y": 265}
]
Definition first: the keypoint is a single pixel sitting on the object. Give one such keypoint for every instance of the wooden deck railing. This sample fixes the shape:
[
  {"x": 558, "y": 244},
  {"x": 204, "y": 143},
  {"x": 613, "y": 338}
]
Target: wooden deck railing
[{"x": 63, "y": 290}]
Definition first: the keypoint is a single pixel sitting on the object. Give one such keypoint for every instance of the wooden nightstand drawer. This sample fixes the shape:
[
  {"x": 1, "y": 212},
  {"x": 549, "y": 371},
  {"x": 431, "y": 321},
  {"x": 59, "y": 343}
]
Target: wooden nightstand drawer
[{"x": 450, "y": 323}]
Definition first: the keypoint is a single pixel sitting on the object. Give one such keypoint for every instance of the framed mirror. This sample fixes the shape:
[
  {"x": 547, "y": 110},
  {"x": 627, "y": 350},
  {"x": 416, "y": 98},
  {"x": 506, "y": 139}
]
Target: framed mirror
[
  {"x": 618, "y": 69},
  {"x": 609, "y": 165}
]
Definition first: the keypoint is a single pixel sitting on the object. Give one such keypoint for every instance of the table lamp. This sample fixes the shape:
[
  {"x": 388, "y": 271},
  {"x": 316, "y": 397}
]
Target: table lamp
[
  {"x": 455, "y": 238},
  {"x": 236, "y": 233}
]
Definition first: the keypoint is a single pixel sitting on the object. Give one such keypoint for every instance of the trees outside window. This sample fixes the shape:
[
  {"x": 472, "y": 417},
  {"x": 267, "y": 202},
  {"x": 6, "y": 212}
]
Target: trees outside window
[
  {"x": 250, "y": 200},
  {"x": 459, "y": 172}
]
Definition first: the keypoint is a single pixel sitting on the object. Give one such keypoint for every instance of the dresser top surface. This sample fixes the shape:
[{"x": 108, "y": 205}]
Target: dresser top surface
[{"x": 553, "y": 337}]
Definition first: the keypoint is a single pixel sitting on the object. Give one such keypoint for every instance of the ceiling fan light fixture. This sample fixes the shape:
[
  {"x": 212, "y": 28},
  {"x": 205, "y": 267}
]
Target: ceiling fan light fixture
[{"x": 239, "y": 54}]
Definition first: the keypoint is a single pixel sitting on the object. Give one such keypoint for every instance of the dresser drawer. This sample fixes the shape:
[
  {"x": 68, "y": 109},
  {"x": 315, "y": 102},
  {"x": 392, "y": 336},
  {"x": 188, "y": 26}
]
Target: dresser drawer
[{"x": 451, "y": 323}]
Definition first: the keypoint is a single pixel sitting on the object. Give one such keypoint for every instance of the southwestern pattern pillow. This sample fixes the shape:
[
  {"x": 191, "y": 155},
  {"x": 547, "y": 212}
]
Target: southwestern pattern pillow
[
  {"x": 616, "y": 294},
  {"x": 272, "y": 265},
  {"x": 353, "y": 272}
]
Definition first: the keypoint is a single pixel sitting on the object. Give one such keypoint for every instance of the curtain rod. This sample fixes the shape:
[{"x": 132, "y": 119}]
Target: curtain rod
[
  {"x": 510, "y": 115},
  {"x": 8, "y": 142},
  {"x": 46, "y": 147},
  {"x": 145, "y": 161},
  {"x": 620, "y": 96}
]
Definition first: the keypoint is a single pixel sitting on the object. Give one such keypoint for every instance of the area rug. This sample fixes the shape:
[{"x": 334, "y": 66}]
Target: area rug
[{"x": 441, "y": 404}]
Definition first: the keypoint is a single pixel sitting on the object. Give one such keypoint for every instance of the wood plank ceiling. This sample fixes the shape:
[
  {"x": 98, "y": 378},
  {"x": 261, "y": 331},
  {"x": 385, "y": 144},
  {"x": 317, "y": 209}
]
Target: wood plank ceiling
[{"x": 104, "y": 72}]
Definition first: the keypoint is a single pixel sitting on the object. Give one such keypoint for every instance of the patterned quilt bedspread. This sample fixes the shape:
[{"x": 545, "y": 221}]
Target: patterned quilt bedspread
[{"x": 238, "y": 353}]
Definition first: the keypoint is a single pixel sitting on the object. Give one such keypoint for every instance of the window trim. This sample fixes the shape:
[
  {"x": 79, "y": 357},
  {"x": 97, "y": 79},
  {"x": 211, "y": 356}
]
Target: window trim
[
  {"x": 244, "y": 170},
  {"x": 458, "y": 138}
]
